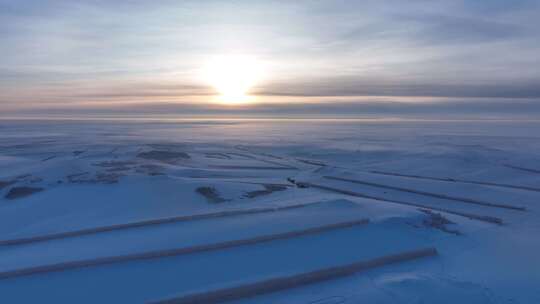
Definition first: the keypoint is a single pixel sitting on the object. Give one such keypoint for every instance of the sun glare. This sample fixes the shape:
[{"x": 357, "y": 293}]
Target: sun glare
[{"x": 233, "y": 77}]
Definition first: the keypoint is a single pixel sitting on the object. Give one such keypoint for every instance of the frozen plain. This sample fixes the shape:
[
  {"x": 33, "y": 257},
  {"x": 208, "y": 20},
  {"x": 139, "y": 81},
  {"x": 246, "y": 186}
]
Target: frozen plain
[{"x": 469, "y": 189}]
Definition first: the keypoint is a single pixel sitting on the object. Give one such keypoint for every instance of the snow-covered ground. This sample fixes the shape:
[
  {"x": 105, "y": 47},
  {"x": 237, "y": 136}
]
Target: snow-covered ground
[{"x": 133, "y": 211}]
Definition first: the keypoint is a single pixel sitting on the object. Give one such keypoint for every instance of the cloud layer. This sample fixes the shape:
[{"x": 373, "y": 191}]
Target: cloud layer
[{"x": 80, "y": 52}]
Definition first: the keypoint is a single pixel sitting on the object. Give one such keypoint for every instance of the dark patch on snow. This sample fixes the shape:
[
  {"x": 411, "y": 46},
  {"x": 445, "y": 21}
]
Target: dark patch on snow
[
  {"x": 437, "y": 221},
  {"x": 254, "y": 168},
  {"x": 330, "y": 300},
  {"x": 18, "y": 192},
  {"x": 151, "y": 170},
  {"x": 270, "y": 155},
  {"x": 99, "y": 178},
  {"x": 107, "y": 178},
  {"x": 155, "y": 173},
  {"x": 296, "y": 183},
  {"x": 311, "y": 162},
  {"x": 523, "y": 169},
  {"x": 164, "y": 156},
  {"x": 27, "y": 178},
  {"x": 73, "y": 177},
  {"x": 113, "y": 164},
  {"x": 116, "y": 169},
  {"x": 4, "y": 184},
  {"x": 268, "y": 189},
  {"x": 35, "y": 179},
  {"x": 217, "y": 155},
  {"x": 78, "y": 152},
  {"x": 211, "y": 195},
  {"x": 48, "y": 158},
  {"x": 23, "y": 176},
  {"x": 243, "y": 156}
]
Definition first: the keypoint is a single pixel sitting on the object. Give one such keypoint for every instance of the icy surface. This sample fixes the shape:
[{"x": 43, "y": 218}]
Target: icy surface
[{"x": 100, "y": 173}]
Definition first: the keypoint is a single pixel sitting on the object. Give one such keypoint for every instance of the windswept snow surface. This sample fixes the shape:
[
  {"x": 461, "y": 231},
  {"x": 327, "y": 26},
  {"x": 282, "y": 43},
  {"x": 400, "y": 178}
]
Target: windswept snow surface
[{"x": 188, "y": 183}]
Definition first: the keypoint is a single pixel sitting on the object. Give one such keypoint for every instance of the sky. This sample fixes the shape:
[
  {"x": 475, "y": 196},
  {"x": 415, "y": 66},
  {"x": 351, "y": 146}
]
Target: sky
[{"x": 317, "y": 57}]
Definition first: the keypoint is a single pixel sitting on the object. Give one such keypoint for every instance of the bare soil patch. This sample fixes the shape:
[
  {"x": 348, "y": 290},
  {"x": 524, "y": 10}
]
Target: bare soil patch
[
  {"x": 211, "y": 195},
  {"x": 268, "y": 189}
]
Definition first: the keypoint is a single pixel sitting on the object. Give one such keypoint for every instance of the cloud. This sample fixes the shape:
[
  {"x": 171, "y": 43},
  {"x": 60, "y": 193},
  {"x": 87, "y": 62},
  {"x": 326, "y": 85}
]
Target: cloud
[
  {"x": 444, "y": 29},
  {"x": 78, "y": 51},
  {"x": 429, "y": 109},
  {"x": 378, "y": 88}
]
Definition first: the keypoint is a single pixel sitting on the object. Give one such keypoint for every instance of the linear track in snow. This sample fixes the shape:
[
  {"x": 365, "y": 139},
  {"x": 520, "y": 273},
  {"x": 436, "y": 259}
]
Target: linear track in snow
[
  {"x": 63, "y": 266},
  {"x": 297, "y": 280},
  {"x": 431, "y": 194},
  {"x": 483, "y": 218},
  {"x": 455, "y": 180},
  {"x": 152, "y": 222},
  {"x": 522, "y": 169}
]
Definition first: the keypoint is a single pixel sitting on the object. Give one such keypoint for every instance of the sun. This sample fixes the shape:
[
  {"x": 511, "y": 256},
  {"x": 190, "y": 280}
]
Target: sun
[{"x": 233, "y": 76}]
